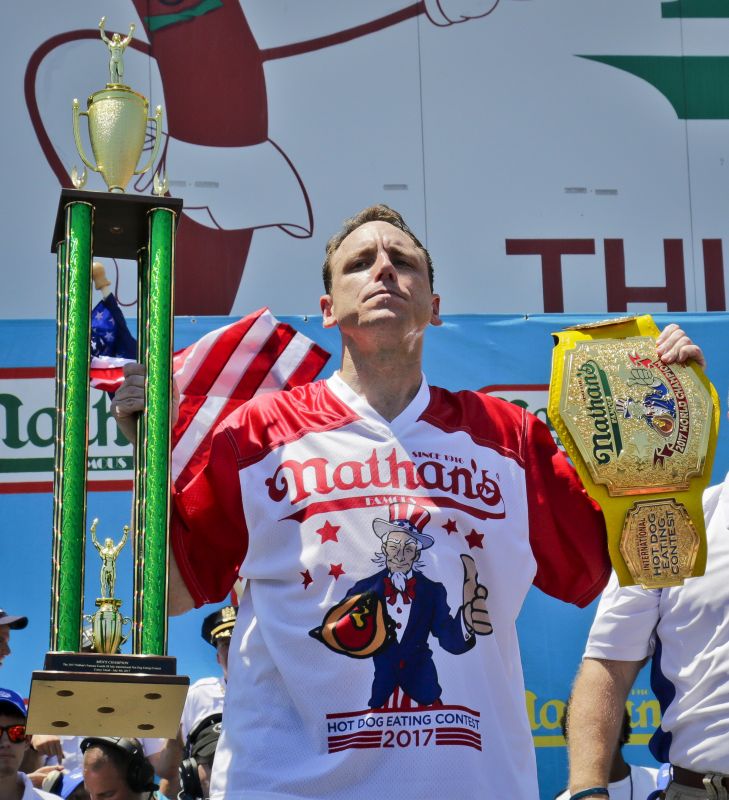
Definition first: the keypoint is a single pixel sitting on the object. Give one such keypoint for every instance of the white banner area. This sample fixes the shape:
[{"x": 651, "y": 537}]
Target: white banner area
[{"x": 561, "y": 156}]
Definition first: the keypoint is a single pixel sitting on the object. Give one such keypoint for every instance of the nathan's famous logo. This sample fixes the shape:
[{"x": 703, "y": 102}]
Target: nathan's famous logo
[
  {"x": 299, "y": 480},
  {"x": 607, "y": 442}
]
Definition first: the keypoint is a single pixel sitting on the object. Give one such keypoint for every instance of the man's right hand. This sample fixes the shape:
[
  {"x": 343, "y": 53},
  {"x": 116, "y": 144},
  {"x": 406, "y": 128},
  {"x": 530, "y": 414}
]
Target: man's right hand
[{"x": 128, "y": 402}]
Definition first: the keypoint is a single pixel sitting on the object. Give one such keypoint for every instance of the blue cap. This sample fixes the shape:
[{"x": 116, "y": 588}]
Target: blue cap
[
  {"x": 70, "y": 782},
  {"x": 9, "y": 697}
]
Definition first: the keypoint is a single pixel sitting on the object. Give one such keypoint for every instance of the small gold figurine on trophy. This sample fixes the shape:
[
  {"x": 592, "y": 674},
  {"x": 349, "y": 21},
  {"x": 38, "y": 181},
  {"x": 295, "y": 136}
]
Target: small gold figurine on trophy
[
  {"x": 107, "y": 623},
  {"x": 116, "y": 46},
  {"x": 117, "y": 118}
]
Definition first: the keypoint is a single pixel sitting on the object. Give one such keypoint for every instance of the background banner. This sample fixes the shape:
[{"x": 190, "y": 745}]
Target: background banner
[
  {"x": 506, "y": 355},
  {"x": 554, "y": 156}
]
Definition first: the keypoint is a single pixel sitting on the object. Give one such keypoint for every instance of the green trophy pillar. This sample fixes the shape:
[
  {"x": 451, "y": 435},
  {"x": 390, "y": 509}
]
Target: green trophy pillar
[
  {"x": 152, "y": 479},
  {"x": 72, "y": 404}
]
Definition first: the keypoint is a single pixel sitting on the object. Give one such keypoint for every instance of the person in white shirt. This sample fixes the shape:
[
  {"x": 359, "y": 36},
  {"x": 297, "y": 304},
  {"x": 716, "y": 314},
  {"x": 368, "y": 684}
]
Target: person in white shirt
[
  {"x": 685, "y": 629},
  {"x": 14, "y": 742}
]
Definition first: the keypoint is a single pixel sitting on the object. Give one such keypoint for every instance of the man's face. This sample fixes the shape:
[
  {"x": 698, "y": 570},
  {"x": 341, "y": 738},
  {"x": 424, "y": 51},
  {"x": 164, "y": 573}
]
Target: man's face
[
  {"x": 223, "y": 648},
  {"x": 401, "y": 551},
  {"x": 11, "y": 753},
  {"x": 102, "y": 779},
  {"x": 4, "y": 642},
  {"x": 380, "y": 278}
]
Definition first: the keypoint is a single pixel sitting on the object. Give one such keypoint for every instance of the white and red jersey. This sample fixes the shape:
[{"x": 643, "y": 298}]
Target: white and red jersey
[
  {"x": 296, "y": 488},
  {"x": 686, "y": 630}
]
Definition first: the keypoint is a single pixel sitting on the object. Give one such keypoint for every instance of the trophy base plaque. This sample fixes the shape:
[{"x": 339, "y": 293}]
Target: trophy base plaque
[{"x": 90, "y": 694}]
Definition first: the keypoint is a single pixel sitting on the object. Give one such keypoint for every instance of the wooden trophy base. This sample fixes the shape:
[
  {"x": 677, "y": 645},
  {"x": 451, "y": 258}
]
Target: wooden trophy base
[{"x": 92, "y": 694}]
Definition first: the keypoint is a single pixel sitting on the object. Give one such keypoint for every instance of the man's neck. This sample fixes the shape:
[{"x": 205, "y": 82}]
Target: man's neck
[
  {"x": 11, "y": 786},
  {"x": 387, "y": 380}
]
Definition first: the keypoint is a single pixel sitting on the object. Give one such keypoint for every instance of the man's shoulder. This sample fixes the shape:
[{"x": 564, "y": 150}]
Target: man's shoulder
[
  {"x": 274, "y": 418},
  {"x": 489, "y": 420},
  {"x": 309, "y": 402}
]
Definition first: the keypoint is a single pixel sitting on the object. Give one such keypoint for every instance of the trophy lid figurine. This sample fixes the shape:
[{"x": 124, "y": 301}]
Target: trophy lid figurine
[{"x": 117, "y": 123}]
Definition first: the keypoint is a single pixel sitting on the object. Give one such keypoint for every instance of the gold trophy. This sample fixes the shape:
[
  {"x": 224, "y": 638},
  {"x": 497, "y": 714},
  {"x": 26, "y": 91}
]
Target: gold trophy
[
  {"x": 107, "y": 692},
  {"x": 107, "y": 624},
  {"x": 117, "y": 120},
  {"x": 642, "y": 436}
]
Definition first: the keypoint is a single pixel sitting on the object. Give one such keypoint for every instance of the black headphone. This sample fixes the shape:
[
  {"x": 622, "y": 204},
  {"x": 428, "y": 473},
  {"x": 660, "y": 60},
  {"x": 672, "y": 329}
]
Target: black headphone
[
  {"x": 190, "y": 787},
  {"x": 140, "y": 773}
]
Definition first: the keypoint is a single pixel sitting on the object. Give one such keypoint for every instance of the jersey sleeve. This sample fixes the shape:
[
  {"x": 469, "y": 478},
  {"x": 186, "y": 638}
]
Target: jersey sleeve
[
  {"x": 624, "y": 624},
  {"x": 208, "y": 532},
  {"x": 566, "y": 528}
]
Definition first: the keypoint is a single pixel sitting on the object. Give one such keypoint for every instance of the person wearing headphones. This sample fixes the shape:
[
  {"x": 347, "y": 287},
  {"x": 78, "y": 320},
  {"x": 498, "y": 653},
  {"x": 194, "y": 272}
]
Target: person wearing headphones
[
  {"x": 197, "y": 767},
  {"x": 116, "y": 769}
]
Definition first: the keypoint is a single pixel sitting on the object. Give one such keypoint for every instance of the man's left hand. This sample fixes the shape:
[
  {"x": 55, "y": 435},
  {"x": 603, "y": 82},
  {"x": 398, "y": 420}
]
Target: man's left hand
[{"x": 676, "y": 347}]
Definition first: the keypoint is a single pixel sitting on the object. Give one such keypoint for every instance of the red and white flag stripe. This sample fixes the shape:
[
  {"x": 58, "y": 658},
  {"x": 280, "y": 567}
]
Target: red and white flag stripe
[{"x": 219, "y": 372}]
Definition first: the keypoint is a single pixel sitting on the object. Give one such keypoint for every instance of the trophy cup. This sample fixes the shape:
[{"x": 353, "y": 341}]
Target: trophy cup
[
  {"x": 642, "y": 436},
  {"x": 106, "y": 692}
]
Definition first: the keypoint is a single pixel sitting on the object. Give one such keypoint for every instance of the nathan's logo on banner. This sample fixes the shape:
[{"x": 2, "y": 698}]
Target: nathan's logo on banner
[
  {"x": 546, "y": 713},
  {"x": 599, "y": 406},
  {"x": 28, "y": 429}
]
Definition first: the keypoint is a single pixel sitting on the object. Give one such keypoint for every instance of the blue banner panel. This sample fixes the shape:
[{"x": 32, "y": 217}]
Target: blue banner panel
[{"x": 507, "y": 355}]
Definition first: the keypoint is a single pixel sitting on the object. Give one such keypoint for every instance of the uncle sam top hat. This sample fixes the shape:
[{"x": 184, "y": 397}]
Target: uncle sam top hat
[{"x": 407, "y": 517}]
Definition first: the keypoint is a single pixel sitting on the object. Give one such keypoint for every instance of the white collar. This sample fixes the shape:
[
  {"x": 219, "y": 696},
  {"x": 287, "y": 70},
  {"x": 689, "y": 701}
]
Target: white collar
[{"x": 363, "y": 409}]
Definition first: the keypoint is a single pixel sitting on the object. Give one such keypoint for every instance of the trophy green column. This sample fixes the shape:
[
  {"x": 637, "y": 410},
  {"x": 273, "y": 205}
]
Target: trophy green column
[
  {"x": 72, "y": 404},
  {"x": 152, "y": 479}
]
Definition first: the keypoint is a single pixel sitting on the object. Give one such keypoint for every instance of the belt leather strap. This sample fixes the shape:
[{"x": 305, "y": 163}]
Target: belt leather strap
[{"x": 694, "y": 780}]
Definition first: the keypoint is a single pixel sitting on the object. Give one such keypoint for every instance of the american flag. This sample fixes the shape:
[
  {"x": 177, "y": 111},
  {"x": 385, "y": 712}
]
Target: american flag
[{"x": 218, "y": 373}]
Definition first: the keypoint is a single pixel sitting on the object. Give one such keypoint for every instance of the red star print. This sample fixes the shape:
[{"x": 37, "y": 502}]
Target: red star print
[
  {"x": 307, "y": 579},
  {"x": 474, "y": 539},
  {"x": 450, "y": 527},
  {"x": 336, "y": 571},
  {"x": 328, "y": 532}
]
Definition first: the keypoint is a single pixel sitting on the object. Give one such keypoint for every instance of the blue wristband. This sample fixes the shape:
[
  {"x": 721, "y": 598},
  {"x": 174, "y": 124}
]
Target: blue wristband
[{"x": 601, "y": 790}]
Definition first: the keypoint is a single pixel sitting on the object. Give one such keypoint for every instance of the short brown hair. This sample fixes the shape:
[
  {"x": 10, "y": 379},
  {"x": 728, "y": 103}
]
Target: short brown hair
[{"x": 378, "y": 213}]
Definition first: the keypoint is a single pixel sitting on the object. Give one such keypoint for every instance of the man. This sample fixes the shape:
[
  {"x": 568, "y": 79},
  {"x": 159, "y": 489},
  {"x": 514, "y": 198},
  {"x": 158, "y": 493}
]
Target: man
[
  {"x": 686, "y": 631},
  {"x": 14, "y": 742},
  {"x": 116, "y": 769},
  {"x": 206, "y": 695},
  {"x": 8, "y": 622},
  {"x": 292, "y": 482}
]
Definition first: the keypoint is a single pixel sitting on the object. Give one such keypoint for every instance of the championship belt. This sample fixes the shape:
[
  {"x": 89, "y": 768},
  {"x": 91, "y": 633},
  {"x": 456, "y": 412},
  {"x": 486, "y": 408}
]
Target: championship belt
[{"x": 642, "y": 436}]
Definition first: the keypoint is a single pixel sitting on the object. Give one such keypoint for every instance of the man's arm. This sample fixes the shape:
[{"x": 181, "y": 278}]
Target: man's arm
[
  {"x": 595, "y": 718},
  {"x": 179, "y": 599}
]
